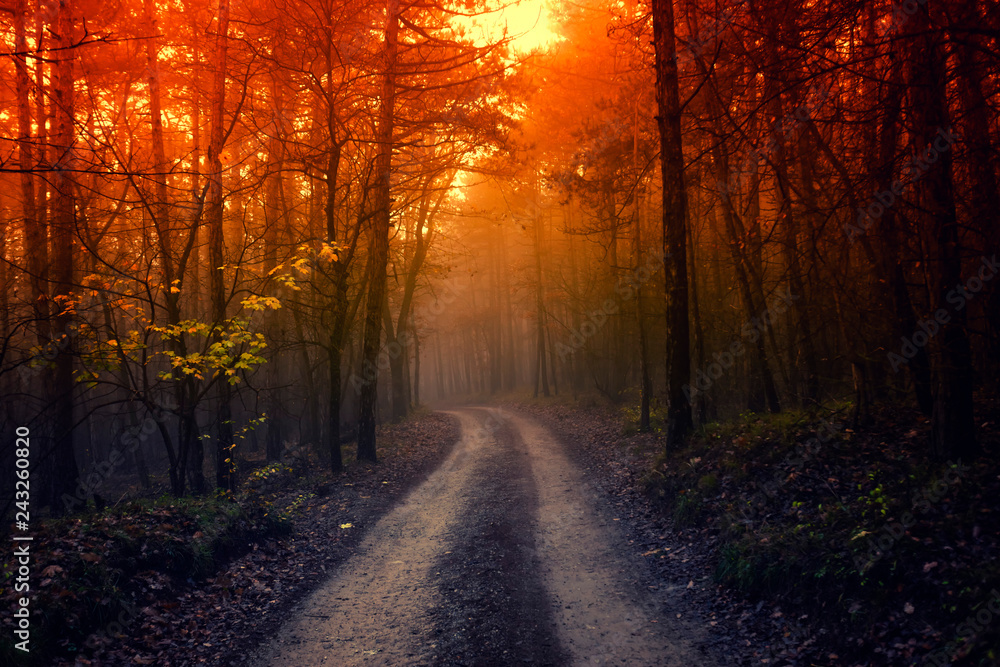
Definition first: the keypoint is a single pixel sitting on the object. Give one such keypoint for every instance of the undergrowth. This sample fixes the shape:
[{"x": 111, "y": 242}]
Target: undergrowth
[
  {"x": 814, "y": 514},
  {"x": 91, "y": 572}
]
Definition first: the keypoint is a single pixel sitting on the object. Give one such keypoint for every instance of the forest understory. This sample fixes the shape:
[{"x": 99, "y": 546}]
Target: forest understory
[
  {"x": 165, "y": 581},
  {"x": 771, "y": 525},
  {"x": 749, "y": 534}
]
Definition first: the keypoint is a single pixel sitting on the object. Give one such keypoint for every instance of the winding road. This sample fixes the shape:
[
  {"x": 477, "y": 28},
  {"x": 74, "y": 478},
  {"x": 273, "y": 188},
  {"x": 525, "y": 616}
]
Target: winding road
[{"x": 503, "y": 556}]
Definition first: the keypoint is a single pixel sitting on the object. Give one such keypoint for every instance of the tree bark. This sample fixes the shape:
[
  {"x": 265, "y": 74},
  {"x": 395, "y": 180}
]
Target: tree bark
[
  {"x": 985, "y": 192},
  {"x": 953, "y": 431},
  {"x": 35, "y": 229},
  {"x": 379, "y": 239},
  {"x": 33, "y": 232},
  {"x": 64, "y": 228},
  {"x": 668, "y": 121},
  {"x": 645, "y": 379},
  {"x": 541, "y": 372},
  {"x": 274, "y": 217},
  {"x": 214, "y": 218}
]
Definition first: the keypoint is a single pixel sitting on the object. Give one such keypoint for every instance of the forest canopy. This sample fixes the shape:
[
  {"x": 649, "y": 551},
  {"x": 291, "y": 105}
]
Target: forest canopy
[{"x": 239, "y": 227}]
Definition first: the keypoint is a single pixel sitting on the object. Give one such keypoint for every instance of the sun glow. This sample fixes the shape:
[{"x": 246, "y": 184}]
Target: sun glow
[{"x": 527, "y": 24}]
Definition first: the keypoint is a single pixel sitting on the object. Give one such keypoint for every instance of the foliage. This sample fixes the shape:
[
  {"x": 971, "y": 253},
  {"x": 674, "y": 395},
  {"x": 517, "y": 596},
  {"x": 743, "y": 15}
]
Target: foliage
[{"x": 226, "y": 349}]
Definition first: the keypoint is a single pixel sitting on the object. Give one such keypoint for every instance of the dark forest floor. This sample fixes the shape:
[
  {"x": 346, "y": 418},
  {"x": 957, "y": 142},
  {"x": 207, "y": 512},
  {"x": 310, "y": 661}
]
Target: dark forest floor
[
  {"x": 787, "y": 531},
  {"x": 797, "y": 539},
  {"x": 136, "y": 584}
]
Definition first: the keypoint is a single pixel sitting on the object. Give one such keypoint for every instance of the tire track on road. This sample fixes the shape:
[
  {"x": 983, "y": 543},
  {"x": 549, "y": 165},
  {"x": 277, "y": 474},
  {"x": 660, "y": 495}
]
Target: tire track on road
[
  {"x": 374, "y": 611},
  {"x": 503, "y": 556},
  {"x": 496, "y": 611},
  {"x": 603, "y": 617}
]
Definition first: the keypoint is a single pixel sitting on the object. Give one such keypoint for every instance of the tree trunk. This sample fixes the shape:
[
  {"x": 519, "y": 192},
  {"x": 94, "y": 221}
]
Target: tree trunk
[
  {"x": 35, "y": 228},
  {"x": 40, "y": 253},
  {"x": 339, "y": 305},
  {"x": 953, "y": 431},
  {"x": 214, "y": 218},
  {"x": 308, "y": 433},
  {"x": 416, "y": 370},
  {"x": 399, "y": 353},
  {"x": 893, "y": 270},
  {"x": 396, "y": 353},
  {"x": 789, "y": 227},
  {"x": 159, "y": 211},
  {"x": 645, "y": 379},
  {"x": 274, "y": 217},
  {"x": 541, "y": 372},
  {"x": 985, "y": 192},
  {"x": 334, "y": 358},
  {"x": 700, "y": 407},
  {"x": 64, "y": 227},
  {"x": 379, "y": 239},
  {"x": 33, "y": 232},
  {"x": 674, "y": 223}
]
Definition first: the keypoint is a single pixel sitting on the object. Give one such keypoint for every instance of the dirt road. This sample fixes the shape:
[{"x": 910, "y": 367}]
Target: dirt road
[{"x": 504, "y": 555}]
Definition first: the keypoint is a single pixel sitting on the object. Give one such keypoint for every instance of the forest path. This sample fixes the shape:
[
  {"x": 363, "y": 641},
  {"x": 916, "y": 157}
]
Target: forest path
[{"x": 504, "y": 555}]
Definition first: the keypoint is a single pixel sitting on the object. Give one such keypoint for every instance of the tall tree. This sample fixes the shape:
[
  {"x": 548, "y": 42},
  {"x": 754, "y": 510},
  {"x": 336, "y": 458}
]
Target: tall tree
[
  {"x": 953, "y": 431},
  {"x": 216, "y": 256},
  {"x": 64, "y": 231},
  {"x": 379, "y": 236},
  {"x": 668, "y": 104}
]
